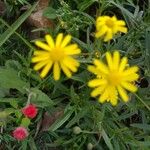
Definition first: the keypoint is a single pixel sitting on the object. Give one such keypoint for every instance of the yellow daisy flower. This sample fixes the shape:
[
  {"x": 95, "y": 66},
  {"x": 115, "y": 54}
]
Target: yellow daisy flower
[
  {"x": 112, "y": 79},
  {"x": 107, "y": 26},
  {"x": 58, "y": 54}
]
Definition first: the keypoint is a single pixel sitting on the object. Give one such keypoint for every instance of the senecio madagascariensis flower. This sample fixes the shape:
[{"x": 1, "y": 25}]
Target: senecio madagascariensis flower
[
  {"x": 107, "y": 26},
  {"x": 113, "y": 79},
  {"x": 57, "y": 54}
]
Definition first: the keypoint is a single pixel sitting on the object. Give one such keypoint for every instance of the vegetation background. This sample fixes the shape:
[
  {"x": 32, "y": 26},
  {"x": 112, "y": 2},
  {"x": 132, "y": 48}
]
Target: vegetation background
[{"x": 68, "y": 118}]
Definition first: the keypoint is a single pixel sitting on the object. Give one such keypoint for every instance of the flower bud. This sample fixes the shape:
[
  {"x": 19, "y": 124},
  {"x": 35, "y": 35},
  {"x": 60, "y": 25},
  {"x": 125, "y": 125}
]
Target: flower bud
[
  {"x": 90, "y": 146},
  {"x": 77, "y": 130}
]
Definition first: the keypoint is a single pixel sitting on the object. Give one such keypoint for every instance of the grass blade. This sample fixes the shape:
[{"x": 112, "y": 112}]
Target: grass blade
[{"x": 5, "y": 36}]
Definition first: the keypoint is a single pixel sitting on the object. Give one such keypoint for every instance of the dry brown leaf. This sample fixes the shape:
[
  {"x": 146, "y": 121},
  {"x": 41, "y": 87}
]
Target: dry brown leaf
[
  {"x": 42, "y": 4},
  {"x": 37, "y": 19},
  {"x": 49, "y": 119},
  {"x": 2, "y": 7}
]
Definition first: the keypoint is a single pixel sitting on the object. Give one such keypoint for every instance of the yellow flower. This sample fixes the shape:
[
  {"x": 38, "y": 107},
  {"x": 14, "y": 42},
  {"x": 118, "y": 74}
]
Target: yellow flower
[
  {"x": 58, "y": 54},
  {"x": 112, "y": 79},
  {"x": 107, "y": 26}
]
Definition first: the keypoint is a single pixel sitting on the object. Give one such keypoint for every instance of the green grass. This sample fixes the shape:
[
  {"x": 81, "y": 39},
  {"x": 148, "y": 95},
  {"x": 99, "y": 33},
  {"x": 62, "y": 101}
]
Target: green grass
[{"x": 124, "y": 127}]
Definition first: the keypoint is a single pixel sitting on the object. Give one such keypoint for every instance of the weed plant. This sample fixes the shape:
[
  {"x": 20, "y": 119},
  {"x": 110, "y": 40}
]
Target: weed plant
[{"x": 85, "y": 123}]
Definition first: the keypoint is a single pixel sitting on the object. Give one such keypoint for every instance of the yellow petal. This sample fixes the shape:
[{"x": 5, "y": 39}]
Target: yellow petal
[
  {"x": 39, "y": 65},
  {"x": 71, "y": 47},
  {"x": 73, "y": 52},
  {"x": 46, "y": 69},
  {"x": 73, "y": 61},
  {"x": 43, "y": 45},
  {"x": 59, "y": 39},
  {"x": 50, "y": 41},
  {"x": 131, "y": 77},
  {"x": 114, "y": 101},
  {"x": 101, "y": 66},
  {"x": 100, "y": 19},
  {"x": 99, "y": 24},
  {"x": 116, "y": 60},
  {"x": 71, "y": 67},
  {"x": 101, "y": 32},
  {"x": 97, "y": 91},
  {"x": 123, "y": 64},
  {"x": 38, "y": 58},
  {"x": 122, "y": 29},
  {"x": 130, "y": 70},
  {"x": 109, "y": 60},
  {"x": 41, "y": 53},
  {"x": 112, "y": 95},
  {"x": 66, "y": 71},
  {"x": 129, "y": 86},
  {"x": 56, "y": 71},
  {"x": 123, "y": 93},
  {"x": 103, "y": 97},
  {"x": 70, "y": 64},
  {"x": 109, "y": 35},
  {"x": 66, "y": 40},
  {"x": 114, "y": 18},
  {"x": 93, "y": 69},
  {"x": 121, "y": 23},
  {"x": 96, "y": 82}
]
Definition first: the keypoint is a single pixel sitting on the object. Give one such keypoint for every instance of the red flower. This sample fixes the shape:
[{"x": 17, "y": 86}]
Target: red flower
[
  {"x": 30, "y": 111},
  {"x": 20, "y": 133}
]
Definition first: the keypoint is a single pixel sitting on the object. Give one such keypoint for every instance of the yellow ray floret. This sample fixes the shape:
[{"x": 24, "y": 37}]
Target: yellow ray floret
[
  {"x": 113, "y": 79},
  {"x": 57, "y": 55},
  {"x": 107, "y": 26}
]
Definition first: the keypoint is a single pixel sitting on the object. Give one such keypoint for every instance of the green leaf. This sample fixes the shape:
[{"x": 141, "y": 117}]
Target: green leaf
[
  {"x": 3, "y": 92},
  {"x": 50, "y": 13},
  {"x": 40, "y": 98},
  {"x": 58, "y": 123},
  {"x": 147, "y": 50},
  {"x": 7, "y": 100},
  {"x": 18, "y": 114},
  {"x": 9, "y": 79},
  {"x": 106, "y": 139},
  {"x": 14, "y": 104},
  {"x": 85, "y": 4},
  {"x": 32, "y": 144},
  {"x": 9, "y": 111},
  {"x": 21, "y": 37},
  {"x": 3, "y": 115},
  {"x": 77, "y": 117},
  {"x": 24, "y": 145},
  {"x": 5, "y": 36},
  {"x": 25, "y": 122},
  {"x": 141, "y": 126}
]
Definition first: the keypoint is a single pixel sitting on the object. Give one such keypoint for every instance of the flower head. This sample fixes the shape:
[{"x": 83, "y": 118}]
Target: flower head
[
  {"x": 20, "y": 133},
  {"x": 58, "y": 54},
  {"x": 112, "y": 79},
  {"x": 107, "y": 26},
  {"x": 30, "y": 111}
]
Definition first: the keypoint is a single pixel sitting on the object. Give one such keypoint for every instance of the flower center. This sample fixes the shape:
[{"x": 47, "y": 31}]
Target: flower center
[
  {"x": 109, "y": 23},
  {"x": 57, "y": 54},
  {"x": 114, "y": 78}
]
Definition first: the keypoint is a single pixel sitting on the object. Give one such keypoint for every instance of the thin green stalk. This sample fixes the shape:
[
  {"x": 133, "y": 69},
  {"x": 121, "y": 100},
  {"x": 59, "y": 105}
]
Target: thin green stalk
[
  {"x": 23, "y": 39},
  {"x": 142, "y": 102}
]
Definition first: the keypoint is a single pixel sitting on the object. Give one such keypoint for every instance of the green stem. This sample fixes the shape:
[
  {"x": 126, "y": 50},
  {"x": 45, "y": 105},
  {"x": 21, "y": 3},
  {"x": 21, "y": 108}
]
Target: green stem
[
  {"x": 89, "y": 132},
  {"x": 142, "y": 102},
  {"x": 23, "y": 39}
]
